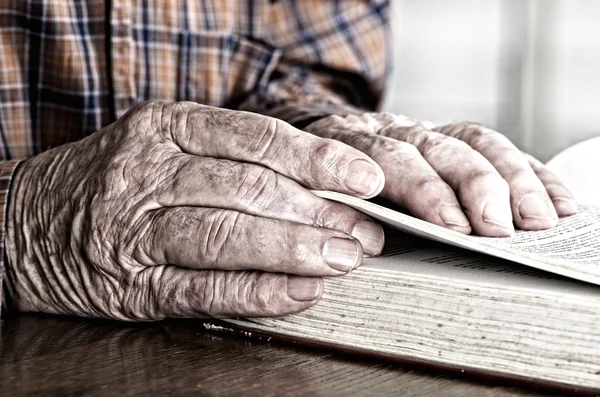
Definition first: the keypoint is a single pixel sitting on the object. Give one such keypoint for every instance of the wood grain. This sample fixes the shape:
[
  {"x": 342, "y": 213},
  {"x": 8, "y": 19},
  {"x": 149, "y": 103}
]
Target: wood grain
[{"x": 47, "y": 356}]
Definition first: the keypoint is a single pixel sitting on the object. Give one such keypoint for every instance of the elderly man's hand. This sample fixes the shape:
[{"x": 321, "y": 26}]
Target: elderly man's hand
[
  {"x": 180, "y": 210},
  {"x": 462, "y": 176}
]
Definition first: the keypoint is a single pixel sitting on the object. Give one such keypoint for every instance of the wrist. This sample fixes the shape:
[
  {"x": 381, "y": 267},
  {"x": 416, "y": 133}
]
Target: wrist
[
  {"x": 13, "y": 227},
  {"x": 27, "y": 233},
  {"x": 8, "y": 172}
]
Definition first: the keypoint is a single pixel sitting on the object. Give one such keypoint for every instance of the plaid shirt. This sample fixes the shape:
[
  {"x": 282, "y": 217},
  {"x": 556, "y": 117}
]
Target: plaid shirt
[{"x": 70, "y": 67}]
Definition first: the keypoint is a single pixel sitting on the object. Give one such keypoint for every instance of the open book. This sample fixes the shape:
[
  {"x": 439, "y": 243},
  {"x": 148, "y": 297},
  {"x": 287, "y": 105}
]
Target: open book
[{"x": 439, "y": 297}]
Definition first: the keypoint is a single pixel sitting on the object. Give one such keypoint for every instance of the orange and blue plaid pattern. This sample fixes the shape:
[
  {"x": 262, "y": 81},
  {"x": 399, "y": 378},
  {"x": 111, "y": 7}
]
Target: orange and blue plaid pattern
[{"x": 70, "y": 67}]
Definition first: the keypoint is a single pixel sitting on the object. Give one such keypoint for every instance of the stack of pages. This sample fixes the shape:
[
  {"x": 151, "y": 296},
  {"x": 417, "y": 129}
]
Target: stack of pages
[{"x": 525, "y": 307}]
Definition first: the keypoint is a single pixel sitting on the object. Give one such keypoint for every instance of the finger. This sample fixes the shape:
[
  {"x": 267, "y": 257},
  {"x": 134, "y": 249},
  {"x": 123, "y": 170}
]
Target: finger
[
  {"x": 314, "y": 162},
  {"x": 255, "y": 190},
  {"x": 481, "y": 191},
  {"x": 203, "y": 238},
  {"x": 411, "y": 181},
  {"x": 168, "y": 291},
  {"x": 421, "y": 190},
  {"x": 563, "y": 200},
  {"x": 532, "y": 208}
]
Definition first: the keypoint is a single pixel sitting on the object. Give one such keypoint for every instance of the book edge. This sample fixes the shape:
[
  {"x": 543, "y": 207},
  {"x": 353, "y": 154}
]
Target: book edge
[{"x": 491, "y": 378}]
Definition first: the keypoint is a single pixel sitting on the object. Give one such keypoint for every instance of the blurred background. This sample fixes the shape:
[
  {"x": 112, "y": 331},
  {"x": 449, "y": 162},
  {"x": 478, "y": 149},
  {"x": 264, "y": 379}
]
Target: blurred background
[{"x": 528, "y": 68}]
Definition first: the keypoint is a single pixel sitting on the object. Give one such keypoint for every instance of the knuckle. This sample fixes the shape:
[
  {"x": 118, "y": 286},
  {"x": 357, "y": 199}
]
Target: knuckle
[
  {"x": 141, "y": 118},
  {"x": 486, "y": 180},
  {"x": 220, "y": 117},
  {"x": 333, "y": 216},
  {"x": 148, "y": 105},
  {"x": 213, "y": 293},
  {"x": 403, "y": 122},
  {"x": 145, "y": 176},
  {"x": 407, "y": 149},
  {"x": 335, "y": 120},
  {"x": 210, "y": 233},
  {"x": 259, "y": 301},
  {"x": 148, "y": 108},
  {"x": 367, "y": 123},
  {"x": 481, "y": 137},
  {"x": 145, "y": 235},
  {"x": 191, "y": 294},
  {"x": 336, "y": 126},
  {"x": 386, "y": 118},
  {"x": 430, "y": 185},
  {"x": 325, "y": 160},
  {"x": 521, "y": 178},
  {"x": 181, "y": 295},
  {"x": 322, "y": 216},
  {"x": 330, "y": 216},
  {"x": 436, "y": 142},
  {"x": 162, "y": 229},
  {"x": 475, "y": 132},
  {"x": 143, "y": 299},
  {"x": 260, "y": 294},
  {"x": 328, "y": 127},
  {"x": 298, "y": 250},
  {"x": 237, "y": 293},
  {"x": 257, "y": 187},
  {"x": 261, "y": 141},
  {"x": 414, "y": 134},
  {"x": 218, "y": 230},
  {"x": 178, "y": 116},
  {"x": 362, "y": 140},
  {"x": 459, "y": 130},
  {"x": 172, "y": 176}
]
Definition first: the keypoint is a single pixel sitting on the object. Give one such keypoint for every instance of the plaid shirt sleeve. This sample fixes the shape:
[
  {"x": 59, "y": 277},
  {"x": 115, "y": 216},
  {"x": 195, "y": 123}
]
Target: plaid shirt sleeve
[
  {"x": 333, "y": 59},
  {"x": 7, "y": 169}
]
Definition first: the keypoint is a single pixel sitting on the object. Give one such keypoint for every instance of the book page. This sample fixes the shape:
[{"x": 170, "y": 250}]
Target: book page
[
  {"x": 571, "y": 249},
  {"x": 405, "y": 256},
  {"x": 576, "y": 239}
]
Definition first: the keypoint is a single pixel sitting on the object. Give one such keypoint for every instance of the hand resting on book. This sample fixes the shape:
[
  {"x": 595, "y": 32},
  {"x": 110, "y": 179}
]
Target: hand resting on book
[
  {"x": 461, "y": 176},
  {"x": 183, "y": 210}
]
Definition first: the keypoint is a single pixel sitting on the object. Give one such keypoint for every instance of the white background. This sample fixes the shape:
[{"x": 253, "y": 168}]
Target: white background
[{"x": 528, "y": 68}]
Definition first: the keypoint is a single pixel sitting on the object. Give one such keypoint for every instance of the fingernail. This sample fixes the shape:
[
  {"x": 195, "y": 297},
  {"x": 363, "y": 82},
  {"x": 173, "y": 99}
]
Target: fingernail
[
  {"x": 363, "y": 177},
  {"x": 452, "y": 215},
  {"x": 341, "y": 254},
  {"x": 370, "y": 235},
  {"x": 565, "y": 206},
  {"x": 533, "y": 206},
  {"x": 559, "y": 193},
  {"x": 303, "y": 289},
  {"x": 564, "y": 203},
  {"x": 498, "y": 215}
]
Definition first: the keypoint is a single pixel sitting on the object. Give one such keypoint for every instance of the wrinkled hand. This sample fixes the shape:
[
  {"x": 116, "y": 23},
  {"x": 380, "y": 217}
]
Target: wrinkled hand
[
  {"x": 180, "y": 210},
  {"x": 462, "y": 176}
]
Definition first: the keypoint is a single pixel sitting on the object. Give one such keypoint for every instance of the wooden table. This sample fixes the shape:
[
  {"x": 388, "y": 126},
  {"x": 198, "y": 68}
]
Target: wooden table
[{"x": 48, "y": 356}]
